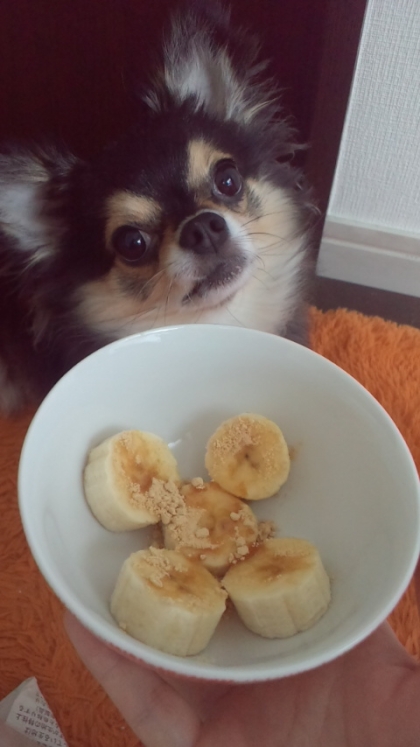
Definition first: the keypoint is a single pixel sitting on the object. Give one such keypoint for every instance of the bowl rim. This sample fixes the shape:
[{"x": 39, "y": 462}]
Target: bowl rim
[{"x": 179, "y": 665}]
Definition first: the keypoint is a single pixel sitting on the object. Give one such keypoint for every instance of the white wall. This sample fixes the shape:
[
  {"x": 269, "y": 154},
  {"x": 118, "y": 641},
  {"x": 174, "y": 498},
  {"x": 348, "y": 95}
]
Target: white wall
[{"x": 376, "y": 190}]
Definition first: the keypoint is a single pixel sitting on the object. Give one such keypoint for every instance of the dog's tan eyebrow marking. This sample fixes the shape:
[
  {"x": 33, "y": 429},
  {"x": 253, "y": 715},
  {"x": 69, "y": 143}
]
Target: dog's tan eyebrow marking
[
  {"x": 201, "y": 157},
  {"x": 124, "y": 208}
]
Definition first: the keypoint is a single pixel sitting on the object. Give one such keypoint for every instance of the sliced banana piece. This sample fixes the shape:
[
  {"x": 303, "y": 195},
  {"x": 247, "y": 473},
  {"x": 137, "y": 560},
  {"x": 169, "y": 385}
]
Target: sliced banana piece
[
  {"x": 167, "y": 601},
  {"x": 281, "y": 590},
  {"x": 119, "y": 475},
  {"x": 214, "y": 527},
  {"x": 248, "y": 456}
]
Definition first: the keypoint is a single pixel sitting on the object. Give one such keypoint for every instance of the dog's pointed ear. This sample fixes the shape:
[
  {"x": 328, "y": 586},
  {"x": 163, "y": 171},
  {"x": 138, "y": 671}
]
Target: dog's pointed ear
[
  {"x": 213, "y": 69},
  {"x": 36, "y": 184}
]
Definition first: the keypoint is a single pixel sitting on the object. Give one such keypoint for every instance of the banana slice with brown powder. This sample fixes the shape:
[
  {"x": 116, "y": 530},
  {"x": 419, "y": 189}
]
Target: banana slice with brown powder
[
  {"x": 121, "y": 477},
  {"x": 248, "y": 456},
  {"x": 167, "y": 601},
  {"x": 281, "y": 589},
  {"x": 213, "y": 526}
]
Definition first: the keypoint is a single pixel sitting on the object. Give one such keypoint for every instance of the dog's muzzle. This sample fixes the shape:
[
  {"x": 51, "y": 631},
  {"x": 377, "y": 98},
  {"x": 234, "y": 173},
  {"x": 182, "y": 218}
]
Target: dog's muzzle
[{"x": 205, "y": 233}]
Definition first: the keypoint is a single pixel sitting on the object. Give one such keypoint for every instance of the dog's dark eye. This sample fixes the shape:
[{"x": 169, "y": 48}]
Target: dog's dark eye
[
  {"x": 227, "y": 179},
  {"x": 131, "y": 244}
]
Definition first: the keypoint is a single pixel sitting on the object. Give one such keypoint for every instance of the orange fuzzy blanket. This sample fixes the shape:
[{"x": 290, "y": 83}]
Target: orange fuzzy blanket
[{"x": 383, "y": 356}]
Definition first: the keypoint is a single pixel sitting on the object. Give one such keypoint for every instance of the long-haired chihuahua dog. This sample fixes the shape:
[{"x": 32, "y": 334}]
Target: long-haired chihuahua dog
[{"x": 195, "y": 215}]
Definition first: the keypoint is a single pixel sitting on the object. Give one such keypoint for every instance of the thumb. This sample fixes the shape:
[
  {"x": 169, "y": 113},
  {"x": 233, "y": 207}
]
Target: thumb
[{"x": 154, "y": 711}]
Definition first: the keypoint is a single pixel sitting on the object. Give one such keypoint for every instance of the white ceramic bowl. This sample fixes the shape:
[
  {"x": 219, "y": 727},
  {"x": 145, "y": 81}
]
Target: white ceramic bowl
[{"x": 353, "y": 488}]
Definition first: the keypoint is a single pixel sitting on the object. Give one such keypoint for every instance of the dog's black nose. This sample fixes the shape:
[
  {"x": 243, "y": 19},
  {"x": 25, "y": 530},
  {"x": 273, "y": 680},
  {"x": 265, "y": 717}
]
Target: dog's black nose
[{"x": 205, "y": 233}]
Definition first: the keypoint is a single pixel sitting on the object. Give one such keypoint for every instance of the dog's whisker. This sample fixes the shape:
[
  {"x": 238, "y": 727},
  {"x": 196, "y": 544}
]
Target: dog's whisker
[
  {"x": 262, "y": 216},
  {"x": 167, "y": 299},
  {"x": 283, "y": 239},
  {"x": 280, "y": 240},
  {"x": 238, "y": 321}
]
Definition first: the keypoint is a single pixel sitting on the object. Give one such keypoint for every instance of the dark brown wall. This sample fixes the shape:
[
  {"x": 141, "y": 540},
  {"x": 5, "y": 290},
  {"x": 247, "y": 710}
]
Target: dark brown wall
[
  {"x": 63, "y": 63},
  {"x": 65, "y": 67},
  {"x": 342, "y": 33}
]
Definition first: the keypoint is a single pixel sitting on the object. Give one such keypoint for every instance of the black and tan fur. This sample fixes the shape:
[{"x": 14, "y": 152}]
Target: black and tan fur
[{"x": 142, "y": 236}]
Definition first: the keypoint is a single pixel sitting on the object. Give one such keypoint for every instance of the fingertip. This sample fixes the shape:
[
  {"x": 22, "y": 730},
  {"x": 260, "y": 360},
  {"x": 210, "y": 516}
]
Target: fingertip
[{"x": 153, "y": 709}]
